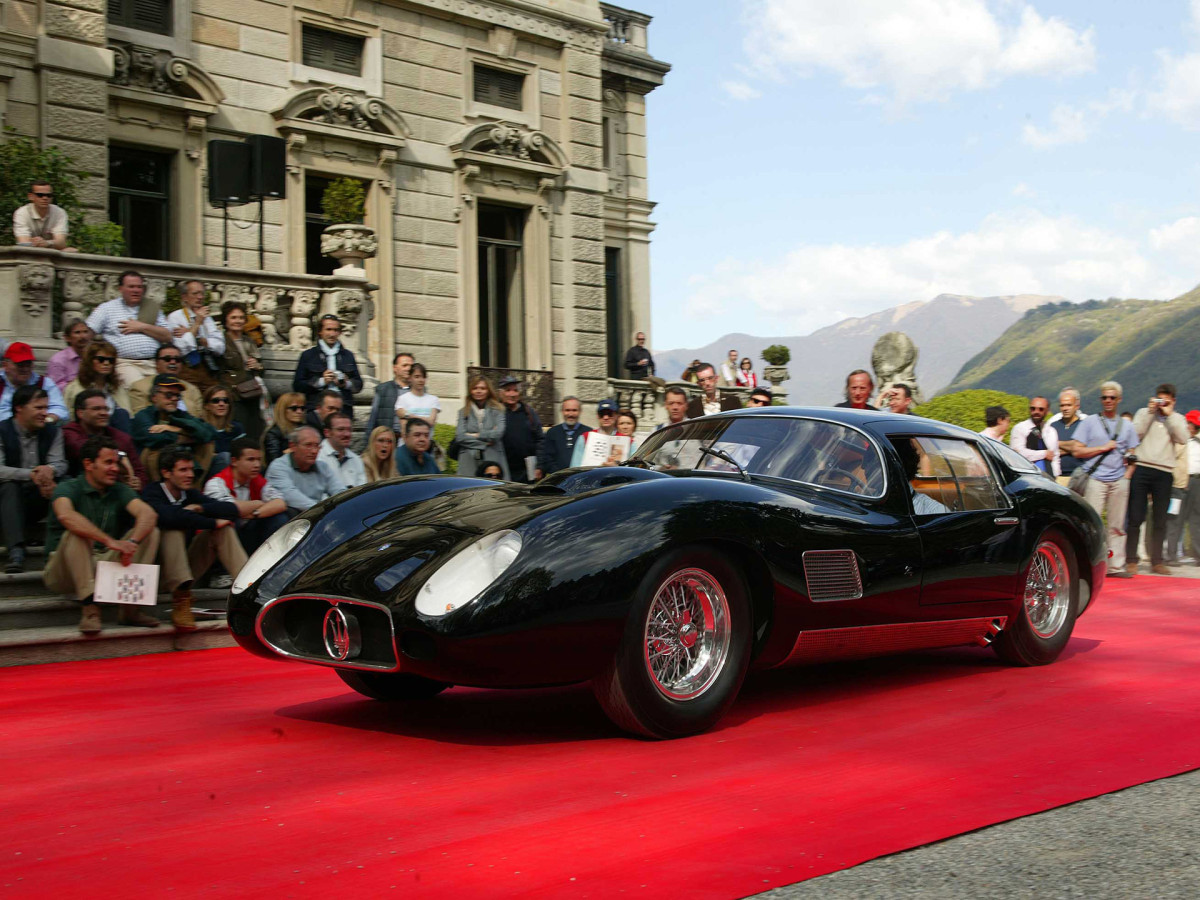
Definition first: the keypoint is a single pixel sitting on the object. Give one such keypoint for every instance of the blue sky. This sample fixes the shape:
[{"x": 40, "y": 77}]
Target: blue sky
[{"x": 818, "y": 159}]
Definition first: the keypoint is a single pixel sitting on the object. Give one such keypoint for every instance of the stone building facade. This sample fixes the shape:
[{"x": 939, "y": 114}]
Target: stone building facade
[{"x": 502, "y": 145}]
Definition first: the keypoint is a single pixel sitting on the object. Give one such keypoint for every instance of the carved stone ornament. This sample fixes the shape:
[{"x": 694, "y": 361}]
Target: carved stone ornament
[
  {"x": 349, "y": 242},
  {"x": 36, "y": 282},
  {"x": 304, "y": 304},
  {"x": 349, "y": 110},
  {"x": 894, "y": 359},
  {"x": 347, "y": 306},
  {"x": 511, "y": 140}
]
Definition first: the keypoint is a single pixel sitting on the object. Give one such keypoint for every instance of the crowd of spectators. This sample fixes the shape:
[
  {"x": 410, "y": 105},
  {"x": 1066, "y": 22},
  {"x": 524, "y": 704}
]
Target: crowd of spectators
[{"x": 153, "y": 438}]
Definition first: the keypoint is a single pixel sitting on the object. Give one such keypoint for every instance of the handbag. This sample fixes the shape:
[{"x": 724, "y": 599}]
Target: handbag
[
  {"x": 1079, "y": 479},
  {"x": 454, "y": 449},
  {"x": 248, "y": 389}
]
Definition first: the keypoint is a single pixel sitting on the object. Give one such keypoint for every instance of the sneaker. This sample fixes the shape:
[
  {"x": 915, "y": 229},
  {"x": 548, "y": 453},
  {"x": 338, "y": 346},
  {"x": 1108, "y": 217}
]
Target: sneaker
[
  {"x": 16, "y": 561},
  {"x": 89, "y": 622},
  {"x": 221, "y": 582},
  {"x": 1160, "y": 569}
]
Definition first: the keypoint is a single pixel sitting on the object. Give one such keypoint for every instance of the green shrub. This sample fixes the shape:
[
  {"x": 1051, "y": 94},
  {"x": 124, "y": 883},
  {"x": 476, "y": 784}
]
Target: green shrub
[
  {"x": 777, "y": 355},
  {"x": 23, "y": 161},
  {"x": 343, "y": 201},
  {"x": 966, "y": 408},
  {"x": 442, "y": 436}
]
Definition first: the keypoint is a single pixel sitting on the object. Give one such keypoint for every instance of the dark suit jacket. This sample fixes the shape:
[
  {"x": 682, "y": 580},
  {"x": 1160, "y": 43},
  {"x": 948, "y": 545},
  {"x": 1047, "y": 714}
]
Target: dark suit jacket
[
  {"x": 172, "y": 517},
  {"x": 696, "y": 407},
  {"x": 309, "y": 368}
]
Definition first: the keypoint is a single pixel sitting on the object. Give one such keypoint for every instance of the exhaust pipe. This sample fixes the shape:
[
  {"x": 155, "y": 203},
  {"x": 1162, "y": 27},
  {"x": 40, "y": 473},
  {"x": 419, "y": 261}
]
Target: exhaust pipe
[{"x": 993, "y": 629}]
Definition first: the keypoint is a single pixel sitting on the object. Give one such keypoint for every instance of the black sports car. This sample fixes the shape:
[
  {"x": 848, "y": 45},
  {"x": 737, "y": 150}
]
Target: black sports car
[{"x": 754, "y": 538}]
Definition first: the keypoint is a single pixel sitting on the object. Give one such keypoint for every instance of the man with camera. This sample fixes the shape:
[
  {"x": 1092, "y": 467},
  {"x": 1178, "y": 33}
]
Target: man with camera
[
  {"x": 1105, "y": 444},
  {"x": 1160, "y": 429}
]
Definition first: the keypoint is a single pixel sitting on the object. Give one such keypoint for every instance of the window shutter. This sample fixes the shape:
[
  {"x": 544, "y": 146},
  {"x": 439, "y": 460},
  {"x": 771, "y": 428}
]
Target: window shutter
[
  {"x": 150, "y": 15},
  {"x": 498, "y": 88},
  {"x": 332, "y": 50}
]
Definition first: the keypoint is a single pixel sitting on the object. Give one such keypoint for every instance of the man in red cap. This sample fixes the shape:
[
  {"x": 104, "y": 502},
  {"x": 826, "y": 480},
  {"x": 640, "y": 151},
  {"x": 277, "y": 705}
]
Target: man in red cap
[{"x": 18, "y": 371}]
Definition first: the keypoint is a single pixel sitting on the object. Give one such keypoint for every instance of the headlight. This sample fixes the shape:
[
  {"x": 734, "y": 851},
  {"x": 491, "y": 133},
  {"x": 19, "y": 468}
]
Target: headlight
[
  {"x": 469, "y": 573},
  {"x": 277, "y": 546}
]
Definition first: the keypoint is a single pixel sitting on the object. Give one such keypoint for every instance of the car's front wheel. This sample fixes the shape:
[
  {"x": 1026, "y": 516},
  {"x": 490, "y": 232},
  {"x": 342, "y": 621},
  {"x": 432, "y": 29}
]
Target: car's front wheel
[
  {"x": 1049, "y": 600},
  {"x": 391, "y": 685},
  {"x": 685, "y": 649}
]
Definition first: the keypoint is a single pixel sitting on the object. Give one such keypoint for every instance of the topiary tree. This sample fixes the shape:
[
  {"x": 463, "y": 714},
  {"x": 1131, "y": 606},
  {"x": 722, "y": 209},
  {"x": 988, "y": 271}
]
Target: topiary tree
[
  {"x": 777, "y": 355},
  {"x": 343, "y": 201},
  {"x": 22, "y": 161},
  {"x": 966, "y": 408},
  {"x": 442, "y": 436}
]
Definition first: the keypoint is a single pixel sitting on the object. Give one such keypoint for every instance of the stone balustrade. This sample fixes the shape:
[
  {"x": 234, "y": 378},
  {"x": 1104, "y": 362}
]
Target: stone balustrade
[
  {"x": 647, "y": 401},
  {"x": 626, "y": 27},
  {"x": 287, "y": 305}
]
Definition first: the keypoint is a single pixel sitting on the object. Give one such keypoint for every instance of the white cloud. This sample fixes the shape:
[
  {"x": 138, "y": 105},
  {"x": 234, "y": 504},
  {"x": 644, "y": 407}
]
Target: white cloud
[
  {"x": 914, "y": 49},
  {"x": 739, "y": 90},
  {"x": 1068, "y": 127},
  {"x": 1011, "y": 253},
  {"x": 1177, "y": 93},
  {"x": 1180, "y": 238},
  {"x": 1024, "y": 190}
]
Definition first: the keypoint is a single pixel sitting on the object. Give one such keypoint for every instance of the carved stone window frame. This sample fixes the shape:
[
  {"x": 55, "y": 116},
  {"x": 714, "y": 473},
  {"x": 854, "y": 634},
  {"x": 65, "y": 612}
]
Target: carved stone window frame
[
  {"x": 177, "y": 43},
  {"x": 371, "y": 79}
]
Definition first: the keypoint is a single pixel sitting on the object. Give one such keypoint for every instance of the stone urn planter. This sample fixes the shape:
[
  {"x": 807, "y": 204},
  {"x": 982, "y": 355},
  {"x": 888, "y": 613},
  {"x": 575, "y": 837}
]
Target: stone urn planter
[
  {"x": 349, "y": 244},
  {"x": 775, "y": 374}
]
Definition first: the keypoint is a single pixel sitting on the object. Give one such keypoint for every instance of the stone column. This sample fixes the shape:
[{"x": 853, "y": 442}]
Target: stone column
[{"x": 73, "y": 67}]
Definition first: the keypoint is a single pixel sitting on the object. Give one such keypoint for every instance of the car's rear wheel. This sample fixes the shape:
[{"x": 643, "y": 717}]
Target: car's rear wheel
[
  {"x": 391, "y": 685},
  {"x": 685, "y": 649},
  {"x": 1049, "y": 598}
]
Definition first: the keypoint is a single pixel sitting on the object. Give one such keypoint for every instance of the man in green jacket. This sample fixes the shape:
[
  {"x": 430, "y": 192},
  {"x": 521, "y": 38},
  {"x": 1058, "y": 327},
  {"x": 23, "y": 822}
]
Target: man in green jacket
[{"x": 163, "y": 424}]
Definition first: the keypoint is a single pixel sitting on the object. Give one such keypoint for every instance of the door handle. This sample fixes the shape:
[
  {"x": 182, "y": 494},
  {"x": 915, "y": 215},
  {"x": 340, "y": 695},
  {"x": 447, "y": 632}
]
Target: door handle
[{"x": 1006, "y": 520}]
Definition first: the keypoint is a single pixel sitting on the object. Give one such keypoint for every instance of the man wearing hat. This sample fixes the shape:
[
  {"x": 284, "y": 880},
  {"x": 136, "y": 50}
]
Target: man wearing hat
[
  {"x": 18, "y": 371},
  {"x": 522, "y": 430},
  {"x": 606, "y": 417},
  {"x": 163, "y": 424}
]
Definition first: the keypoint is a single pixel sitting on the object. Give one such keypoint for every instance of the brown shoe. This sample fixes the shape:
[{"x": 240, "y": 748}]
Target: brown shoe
[
  {"x": 181, "y": 610},
  {"x": 131, "y": 615},
  {"x": 1160, "y": 569},
  {"x": 1131, "y": 568},
  {"x": 89, "y": 622}
]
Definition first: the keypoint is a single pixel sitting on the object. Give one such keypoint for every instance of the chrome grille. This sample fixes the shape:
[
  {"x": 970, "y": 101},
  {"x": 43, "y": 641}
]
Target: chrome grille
[{"x": 832, "y": 575}]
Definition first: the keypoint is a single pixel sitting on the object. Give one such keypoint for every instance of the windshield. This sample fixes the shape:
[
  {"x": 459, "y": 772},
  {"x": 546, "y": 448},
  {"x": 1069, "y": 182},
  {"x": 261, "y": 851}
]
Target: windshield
[{"x": 825, "y": 454}]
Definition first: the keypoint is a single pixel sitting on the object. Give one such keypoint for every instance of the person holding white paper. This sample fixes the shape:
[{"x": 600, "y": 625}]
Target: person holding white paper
[{"x": 85, "y": 527}]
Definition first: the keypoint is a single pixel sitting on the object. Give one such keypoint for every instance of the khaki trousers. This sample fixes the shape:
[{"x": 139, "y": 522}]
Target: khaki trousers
[
  {"x": 183, "y": 563},
  {"x": 131, "y": 371},
  {"x": 71, "y": 568},
  {"x": 1111, "y": 499}
]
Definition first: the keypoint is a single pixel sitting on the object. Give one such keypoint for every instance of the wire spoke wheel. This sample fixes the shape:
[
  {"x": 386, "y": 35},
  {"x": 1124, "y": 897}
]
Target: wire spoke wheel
[
  {"x": 1048, "y": 590},
  {"x": 687, "y": 634}
]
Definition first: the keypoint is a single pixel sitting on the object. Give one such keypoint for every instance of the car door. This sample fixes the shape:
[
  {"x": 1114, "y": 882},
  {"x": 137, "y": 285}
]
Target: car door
[{"x": 970, "y": 542}]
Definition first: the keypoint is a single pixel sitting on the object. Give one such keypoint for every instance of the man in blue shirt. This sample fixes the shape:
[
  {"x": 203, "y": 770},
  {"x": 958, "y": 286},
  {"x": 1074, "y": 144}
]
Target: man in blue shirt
[
  {"x": 301, "y": 479},
  {"x": 18, "y": 371},
  {"x": 1101, "y": 443},
  {"x": 413, "y": 456}
]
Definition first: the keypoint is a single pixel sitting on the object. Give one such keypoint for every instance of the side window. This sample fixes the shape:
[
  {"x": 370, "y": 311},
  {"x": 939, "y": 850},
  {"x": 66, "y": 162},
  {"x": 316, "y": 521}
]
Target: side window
[{"x": 948, "y": 475}]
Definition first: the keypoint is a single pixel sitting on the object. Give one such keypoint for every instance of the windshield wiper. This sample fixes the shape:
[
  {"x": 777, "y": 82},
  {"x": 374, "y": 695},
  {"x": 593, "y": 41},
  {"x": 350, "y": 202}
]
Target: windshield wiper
[{"x": 721, "y": 454}]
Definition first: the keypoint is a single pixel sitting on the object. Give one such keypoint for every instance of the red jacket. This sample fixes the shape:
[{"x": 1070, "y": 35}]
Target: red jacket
[{"x": 257, "y": 483}]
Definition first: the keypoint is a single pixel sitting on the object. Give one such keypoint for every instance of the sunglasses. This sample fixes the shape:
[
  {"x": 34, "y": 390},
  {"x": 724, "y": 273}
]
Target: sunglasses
[
  {"x": 606, "y": 414},
  {"x": 757, "y": 402},
  {"x": 104, "y": 359},
  {"x": 1108, "y": 397},
  {"x": 49, "y": 196},
  {"x": 1039, "y": 409},
  {"x": 170, "y": 359},
  {"x": 295, "y": 409},
  {"x": 170, "y": 396},
  {"x": 224, "y": 400}
]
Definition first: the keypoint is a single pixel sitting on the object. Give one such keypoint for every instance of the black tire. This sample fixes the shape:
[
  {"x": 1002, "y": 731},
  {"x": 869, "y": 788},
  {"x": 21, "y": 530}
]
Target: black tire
[
  {"x": 670, "y": 704},
  {"x": 391, "y": 685},
  {"x": 1042, "y": 625}
]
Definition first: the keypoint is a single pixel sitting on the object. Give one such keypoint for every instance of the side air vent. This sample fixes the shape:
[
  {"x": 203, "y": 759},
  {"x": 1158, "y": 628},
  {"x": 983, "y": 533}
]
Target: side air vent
[{"x": 832, "y": 575}]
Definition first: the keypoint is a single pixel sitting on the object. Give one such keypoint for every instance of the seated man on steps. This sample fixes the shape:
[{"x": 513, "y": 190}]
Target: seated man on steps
[
  {"x": 88, "y": 523},
  {"x": 195, "y": 529},
  {"x": 163, "y": 425},
  {"x": 92, "y": 416},
  {"x": 33, "y": 462},
  {"x": 261, "y": 506}
]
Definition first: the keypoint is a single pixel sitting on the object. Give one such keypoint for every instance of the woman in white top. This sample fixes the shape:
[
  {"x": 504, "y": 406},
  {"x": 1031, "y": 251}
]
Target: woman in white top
[
  {"x": 193, "y": 331},
  {"x": 416, "y": 402}
]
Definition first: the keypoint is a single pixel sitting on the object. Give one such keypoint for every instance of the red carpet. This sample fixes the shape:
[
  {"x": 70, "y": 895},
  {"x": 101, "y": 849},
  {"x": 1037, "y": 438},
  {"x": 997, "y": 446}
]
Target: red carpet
[{"x": 215, "y": 773}]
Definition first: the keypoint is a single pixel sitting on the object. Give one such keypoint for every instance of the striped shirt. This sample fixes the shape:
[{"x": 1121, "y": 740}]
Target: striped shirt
[{"x": 106, "y": 319}]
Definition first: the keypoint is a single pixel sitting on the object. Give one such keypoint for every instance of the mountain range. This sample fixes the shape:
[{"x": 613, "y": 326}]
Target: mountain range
[
  {"x": 948, "y": 330},
  {"x": 1139, "y": 343}
]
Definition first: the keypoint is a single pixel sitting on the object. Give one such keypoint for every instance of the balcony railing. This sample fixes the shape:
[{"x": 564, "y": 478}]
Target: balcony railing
[
  {"x": 646, "y": 401},
  {"x": 52, "y": 287},
  {"x": 626, "y": 27}
]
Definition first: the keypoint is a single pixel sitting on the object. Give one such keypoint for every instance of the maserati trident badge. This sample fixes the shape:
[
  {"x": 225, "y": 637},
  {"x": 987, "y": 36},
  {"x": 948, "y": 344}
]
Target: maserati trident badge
[{"x": 341, "y": 634}]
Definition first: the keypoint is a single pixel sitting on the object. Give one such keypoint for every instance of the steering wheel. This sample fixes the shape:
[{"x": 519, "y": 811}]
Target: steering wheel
[{"x": 857, "y": 483}]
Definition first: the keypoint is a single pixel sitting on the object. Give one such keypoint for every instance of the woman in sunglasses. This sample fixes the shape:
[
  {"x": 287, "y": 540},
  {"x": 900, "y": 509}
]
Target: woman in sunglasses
[
  {"x": 218, "y": 412},
  {"x": 98, "y": 371},
  {"x": 289, "y": 415}
]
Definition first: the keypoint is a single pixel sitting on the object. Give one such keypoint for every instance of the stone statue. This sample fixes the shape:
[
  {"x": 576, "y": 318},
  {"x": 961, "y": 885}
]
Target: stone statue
[{"x": 894, "y": 359}]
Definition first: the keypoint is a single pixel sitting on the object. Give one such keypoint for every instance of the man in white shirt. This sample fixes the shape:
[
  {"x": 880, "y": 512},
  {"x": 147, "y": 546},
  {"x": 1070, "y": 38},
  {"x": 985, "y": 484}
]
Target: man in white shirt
[
  {"x": 118, "y": 322},
  {"x": 335, "y": 450},
  {"x": 193, "y": 331},
  {"x": 998, "y": 420},
  {"x": 729, "y": 370},
  {"x": 39, "y": 223},
  {"x": 1035, "y": 440}
]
